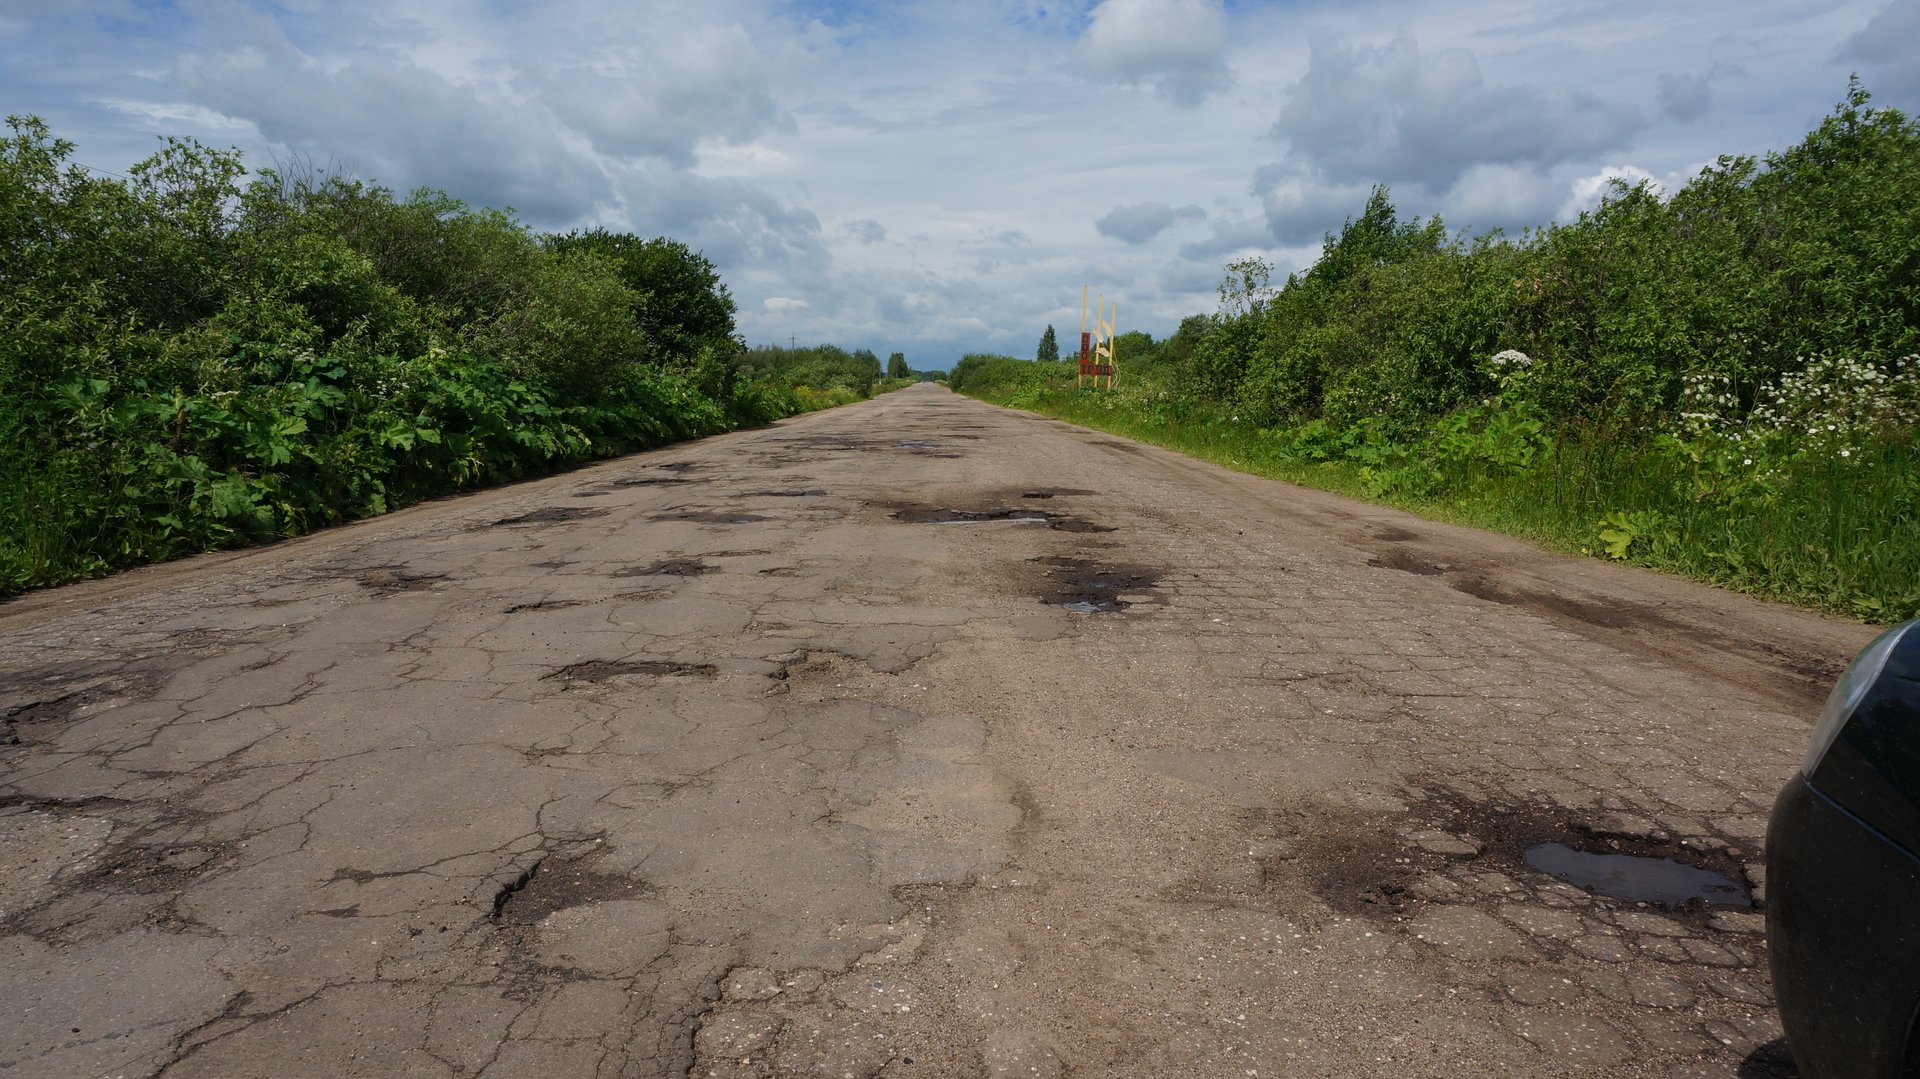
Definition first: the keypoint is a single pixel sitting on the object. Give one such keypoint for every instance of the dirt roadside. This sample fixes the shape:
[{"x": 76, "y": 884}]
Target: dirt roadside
[{"x": 916, "y": 737}]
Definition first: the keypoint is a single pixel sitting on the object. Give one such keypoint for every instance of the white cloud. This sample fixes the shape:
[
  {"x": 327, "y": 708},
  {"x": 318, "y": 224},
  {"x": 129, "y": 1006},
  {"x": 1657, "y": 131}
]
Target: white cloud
[
  {"x": 1176, "y": 46},
  {"x": 1684, "y": 97},
  {"x": 922, "y": 175},
  {"x": 1393, "y": 114},
  {"x": 662, "y": 98},
  {"x": 1301, "y": 208},
  {"x": 1230, "y": 236},
  {"x": 1887, "y": 46},
  {"x": 393, "y": 120},
  {"x": 866, "y": 231},
  {"x": 1143, "y": 221}
]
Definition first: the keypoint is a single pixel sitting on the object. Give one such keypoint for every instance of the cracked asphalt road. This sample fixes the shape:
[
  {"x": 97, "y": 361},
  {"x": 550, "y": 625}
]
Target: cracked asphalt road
[{"x": 914, "y": 738}]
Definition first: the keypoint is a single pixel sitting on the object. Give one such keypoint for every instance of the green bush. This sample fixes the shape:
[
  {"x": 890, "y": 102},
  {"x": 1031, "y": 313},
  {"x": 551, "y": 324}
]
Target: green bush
[
  {"x": 192, "y": 362},
  {"x": 1725, "y": 382}
]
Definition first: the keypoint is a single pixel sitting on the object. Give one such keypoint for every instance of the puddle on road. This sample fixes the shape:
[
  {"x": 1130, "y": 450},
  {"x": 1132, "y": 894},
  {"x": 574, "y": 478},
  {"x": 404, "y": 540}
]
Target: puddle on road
[
  {"x": 1085, "y": 587},
  {"x": 1637, "y": 879}
]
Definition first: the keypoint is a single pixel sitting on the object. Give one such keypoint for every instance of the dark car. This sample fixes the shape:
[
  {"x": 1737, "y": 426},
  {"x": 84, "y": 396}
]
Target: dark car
[{"x": 1843, "y": 875}]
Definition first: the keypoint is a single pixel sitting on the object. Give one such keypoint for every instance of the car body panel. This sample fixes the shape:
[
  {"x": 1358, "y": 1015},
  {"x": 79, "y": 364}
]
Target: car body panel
[{"x": 1843, "y": 936}]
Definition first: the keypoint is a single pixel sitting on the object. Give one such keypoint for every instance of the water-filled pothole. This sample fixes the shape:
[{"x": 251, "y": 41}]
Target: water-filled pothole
[
  {"x": 1086, "y": 587},
  {"x": 1637, "y": 879}
]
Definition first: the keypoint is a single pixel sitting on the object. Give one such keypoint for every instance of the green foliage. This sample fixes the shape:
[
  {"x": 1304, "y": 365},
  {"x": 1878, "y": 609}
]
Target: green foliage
[
  {"x": 818, "y": 367},
  {"x": 680, "y": 304},
  {"x": 897, "y": 366},
  {"x": 1725, "y": 383},
  {"x": 192, "y": 362},
  {"x": 1049, "y": 350}
]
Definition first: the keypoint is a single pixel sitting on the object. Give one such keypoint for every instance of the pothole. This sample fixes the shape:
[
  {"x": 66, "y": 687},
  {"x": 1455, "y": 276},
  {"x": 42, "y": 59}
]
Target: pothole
[
  {"x": 944, "y": 515},
  {"x": 1637, "y": 878},
  {"x": 1075, "y": 524},
  {"x": 809, "y": 493},
  {"x": 712, "y": 517},
  {"x": 1454, "y": 836},
  {"x": 543, "y": 605},
  {"x": 601, "y": 670},
  {"x": 1087, "y": 587},
  {"x": 37, "y": 713},
  {"x": 649, "y": 481},
  {"x": 392, "y": 580},
  {"x": 1405, "y": 563},
  {"x": 554, "y": 884},
  {"x": 940, "y": 515},
  {"x": 551, "y": 515},
  {"x": 670, "y": 567}
]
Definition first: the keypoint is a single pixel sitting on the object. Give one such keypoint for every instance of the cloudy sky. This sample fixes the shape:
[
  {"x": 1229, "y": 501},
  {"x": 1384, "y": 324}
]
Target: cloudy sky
[{"x": 942, "y": 176}]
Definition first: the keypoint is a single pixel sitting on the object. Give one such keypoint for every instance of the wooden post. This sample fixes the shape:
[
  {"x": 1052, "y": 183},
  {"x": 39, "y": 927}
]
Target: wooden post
[{"x": 1079, "y": 379}]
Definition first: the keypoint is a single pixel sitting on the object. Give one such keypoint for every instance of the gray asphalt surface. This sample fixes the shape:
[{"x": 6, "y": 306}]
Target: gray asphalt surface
[{"x": 913, "y": 738}]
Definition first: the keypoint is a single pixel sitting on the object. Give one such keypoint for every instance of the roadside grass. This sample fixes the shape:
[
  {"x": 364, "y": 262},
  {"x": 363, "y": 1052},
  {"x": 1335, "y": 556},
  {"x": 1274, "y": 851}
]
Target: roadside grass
[{"x": 1817, "y": 529}]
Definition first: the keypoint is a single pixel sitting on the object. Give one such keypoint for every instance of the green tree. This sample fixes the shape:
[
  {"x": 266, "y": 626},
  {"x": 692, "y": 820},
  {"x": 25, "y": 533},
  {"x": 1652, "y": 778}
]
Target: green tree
[
  {"x": 684, "y": 306},
  {"x": 897, "y": 366},
  {"x": 1049, "y": 346}
]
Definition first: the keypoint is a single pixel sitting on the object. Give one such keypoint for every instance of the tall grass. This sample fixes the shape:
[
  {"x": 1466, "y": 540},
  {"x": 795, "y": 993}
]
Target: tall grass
[{"x": 1829, "y": 531}]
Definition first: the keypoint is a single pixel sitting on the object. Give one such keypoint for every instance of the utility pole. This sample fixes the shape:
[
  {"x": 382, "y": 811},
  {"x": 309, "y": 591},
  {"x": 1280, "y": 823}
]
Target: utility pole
[{"x": 791, "y": 339}]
